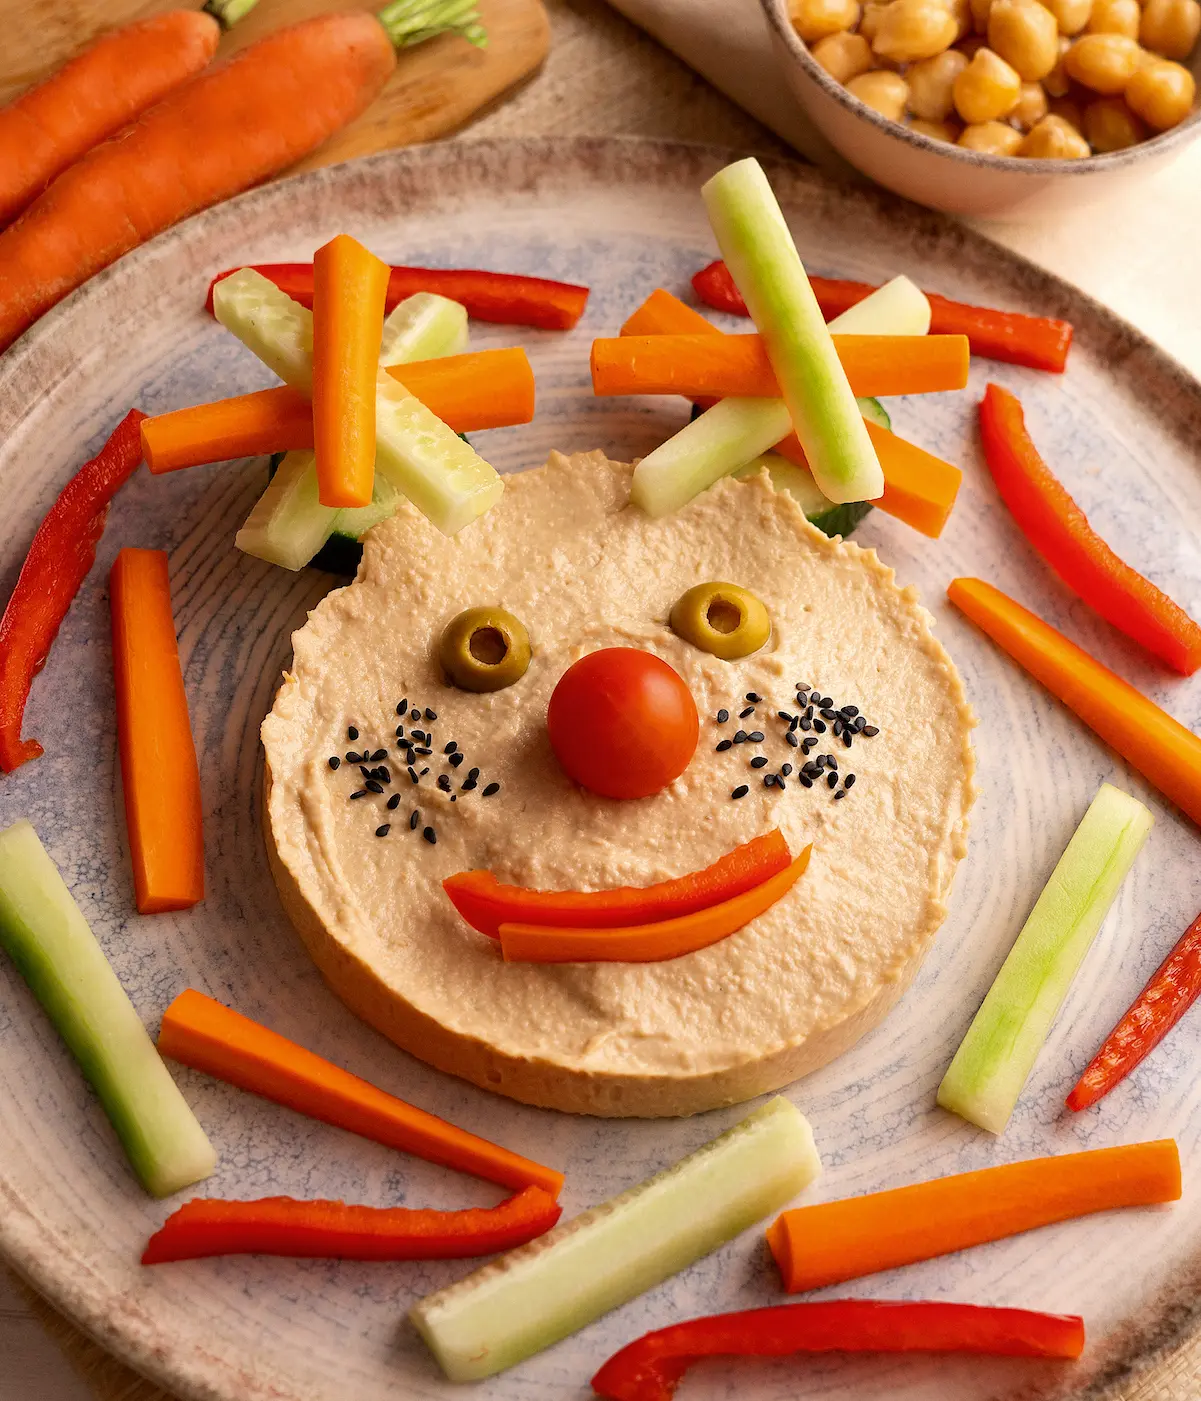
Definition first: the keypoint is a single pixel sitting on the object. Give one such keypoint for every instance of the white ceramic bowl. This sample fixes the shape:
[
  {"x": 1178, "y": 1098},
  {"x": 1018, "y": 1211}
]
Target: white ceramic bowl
[{"x": 948, "y": 177}]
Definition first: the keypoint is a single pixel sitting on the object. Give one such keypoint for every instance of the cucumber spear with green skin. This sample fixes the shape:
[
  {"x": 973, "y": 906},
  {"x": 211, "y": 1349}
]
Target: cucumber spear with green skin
[{"x": 56, "y": 953}]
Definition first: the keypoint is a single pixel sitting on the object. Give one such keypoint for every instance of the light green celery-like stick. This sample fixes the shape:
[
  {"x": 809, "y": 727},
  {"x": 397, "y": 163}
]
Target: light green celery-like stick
[
  {"x": 56, "y": 953},
  {"x": 763, "y": 260},
  {"x": 998, "y": 1053}
]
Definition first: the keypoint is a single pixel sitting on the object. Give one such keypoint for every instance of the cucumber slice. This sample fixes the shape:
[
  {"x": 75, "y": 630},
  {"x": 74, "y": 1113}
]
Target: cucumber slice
[
  {"x": 56, "y": 953},
  {"x": 761, "y": 255},
  {"x": 424, "y": 326},
  {"x": 424, "y": 460},
  {"x": 798, "y": 482},
  {"x": 873, "y": 410},
  {"x": 268, "y": 321},
  {"x": 543, "y": 1291},
  {"x": 289, "y": 524},
  {"x": 897, "y": 309},
  {"x": 998, "y": 1053}
]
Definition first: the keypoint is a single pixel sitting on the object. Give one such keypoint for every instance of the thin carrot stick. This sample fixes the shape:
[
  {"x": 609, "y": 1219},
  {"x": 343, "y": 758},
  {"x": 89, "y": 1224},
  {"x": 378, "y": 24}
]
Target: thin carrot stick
[
  {"x": 1160, "y": 748},
  {"x": 919, "y": 488},
  {"x": 737, "y": 366},
  {"x": 89, "y": 99},
  {"x": 158, "y": 757},
  {"x": 835, "y": 1241},
  {"x": 484, "y": 389},
  {"x": 201, "y": 1033},
  {"x": 649, "y": 943},
  {"x": 349, "y": 284}
]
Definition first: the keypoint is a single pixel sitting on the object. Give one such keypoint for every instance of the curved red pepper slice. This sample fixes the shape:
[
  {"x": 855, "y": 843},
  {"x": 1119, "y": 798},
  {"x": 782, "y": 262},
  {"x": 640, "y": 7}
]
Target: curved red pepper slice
[
  {"x": 486, "y": 904},
  {"x": 1038, "y": 342},
  {"x": 335, "y": 1231},
  {"x": 651, "y": 1368},
  {"x": 62, "y": 552},
  {"x": 1059, "y": 530},
  {"x": 504, "y": 297}
]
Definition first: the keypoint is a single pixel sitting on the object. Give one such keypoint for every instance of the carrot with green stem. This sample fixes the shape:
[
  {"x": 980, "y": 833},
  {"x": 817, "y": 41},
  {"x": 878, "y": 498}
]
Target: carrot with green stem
[{"x": 228, "y": 129}]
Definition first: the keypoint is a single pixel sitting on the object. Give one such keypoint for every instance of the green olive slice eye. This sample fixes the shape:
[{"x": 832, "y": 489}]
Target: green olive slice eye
[
  {"x": 484, "y": 649},
  {"x": 728, "y": 621}
]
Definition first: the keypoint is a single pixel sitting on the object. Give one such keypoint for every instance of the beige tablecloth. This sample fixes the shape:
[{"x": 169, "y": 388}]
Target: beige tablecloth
[{"x": 635, "y": 87}]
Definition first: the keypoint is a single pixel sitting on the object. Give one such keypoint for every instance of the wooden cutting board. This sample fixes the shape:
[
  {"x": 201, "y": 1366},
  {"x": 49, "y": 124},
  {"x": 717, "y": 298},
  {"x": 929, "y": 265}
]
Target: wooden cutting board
[{"x": 437, "y": 87}]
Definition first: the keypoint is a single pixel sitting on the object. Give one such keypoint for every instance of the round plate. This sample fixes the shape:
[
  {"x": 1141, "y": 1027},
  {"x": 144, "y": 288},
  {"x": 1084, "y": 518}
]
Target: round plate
[{"x": 625, "y": 217}]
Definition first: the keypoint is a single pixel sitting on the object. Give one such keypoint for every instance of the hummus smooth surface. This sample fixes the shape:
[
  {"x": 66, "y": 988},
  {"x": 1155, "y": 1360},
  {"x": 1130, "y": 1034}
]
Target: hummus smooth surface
[{"x": 583, "y": 570}]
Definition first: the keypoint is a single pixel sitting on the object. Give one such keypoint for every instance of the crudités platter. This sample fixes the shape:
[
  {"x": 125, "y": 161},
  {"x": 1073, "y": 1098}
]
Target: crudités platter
[{"x": 623, "y": 218}]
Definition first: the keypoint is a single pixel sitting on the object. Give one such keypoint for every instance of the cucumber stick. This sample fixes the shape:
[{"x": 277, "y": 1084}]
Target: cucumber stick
[
  {"x": 998, "y": 1053},
  {"x": 762, "y": 257},
  {"x": 797, "y": 481},
  {"x": 424, "y": 326},
  {"x": 899, "y": 308},
  {"x": 543, "y": 1291},
  {"x": 56, "y": 953},
  {"x": 270, "y": 323}
]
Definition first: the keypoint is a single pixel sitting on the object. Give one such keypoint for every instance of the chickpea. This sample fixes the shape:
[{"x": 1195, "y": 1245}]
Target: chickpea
[
  {"x": 1103, "y": 62},
  {"x": 1109, "y": 125},
  {"x": 987, "y": 89},
  {"x": 1053, "y": 139},
  {"x": 1026, "y": 36},
  {"x": 992, "y": 138},
  {"x": 1170, "y": 27},
  {"x": 883, "y": 92},
  {"x": 914, "y": 29},
  {"x": 869, "y": 22},
  {"x": 937, "y": 131},
  {"x": 961, "y": 13},
  {"x": 1068, "y": 110},
  {"x": 1057, "y": 83},
  {"x": 1070, "y": 15},
  {"x": 1162, "y": 94},
  {"x": 844, "y": 56},
  {"x": 1115, "y": 17},
  {"x": 814, "y": 19},
  {"x": 931, "y": 85},
  {"x": 1031, "y": 107}
]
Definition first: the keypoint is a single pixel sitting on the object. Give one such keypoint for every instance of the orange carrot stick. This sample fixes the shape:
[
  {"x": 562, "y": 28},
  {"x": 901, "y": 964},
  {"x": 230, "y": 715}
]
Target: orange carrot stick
[
  {"x": 89, "y": 99},
  {"x": 738, "y": 366},
  {"x": 271, "y": 420},
  {"x": 649, "y": 943},
  {"x": 221, "y": 133},
  {"x": 201, "y": 1033},
  {"x": 349, "y": 286},
  {"x": 1160, "y": 748},
  {"x": 835, "y": 1241},
  {"x": 484, "y": 389},
  {"x": 158, "y": 757},
  {"x": 919, "y": 488}
]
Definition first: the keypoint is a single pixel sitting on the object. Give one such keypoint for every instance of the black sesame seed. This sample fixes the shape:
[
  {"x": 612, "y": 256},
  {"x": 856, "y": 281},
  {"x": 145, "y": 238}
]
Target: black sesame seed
[
  {"x": 413, "y": 774},
  {"x": 444, "y": 782},
  {"x": 783, "y": 715},
  {"x": 423, "y": 750},
  {"x": 424, "y": 771},
  {"x": 402, "y": 708},
  {"x": 451, "y": 747},
  {"x": 750, "y": 710},
  {"x": 847, "y": 738},
  {"x": 740, "y": 737},
  {"x": 366, "y": 772},
  {"x": 792, "y": 739},
  {"x": 455, "y": 760},
  {"x": 805, "y": 723},
  {"x": 491, "y": 788},
  {"x": 755, "y": 737},
  {"x": 759, "y": 761},
  {"x": 740, "y": 792},
  {"x": 414, "y": 820},
  {"x": 473, "y": 774},
  {"x": 722, "y": 716},
  {"x": 870, "y": 731},
  {"x": 810, "y": 744},
  {"x": 860, "y": 724},
  {"x": 383, "y": 830},
  {"x": 378, "y": 755},
  {"x": 812, "y": 769},
  {"x": 400, "y": 732},
  {"x": 804, "y": 780},
  {"x": 785, "y": 769},
  {"x": 374, "y": 786},
  {"x": 831, "y": 780},
  {"x": 353, "y": 758},
  {"x": 430, "y": 835},
  {"x": 794, "y": 722},
  {"x": 430, "y": 715},
  {"x": 842, "y": 792},
  {"x": 827, "y": 714},
  {"x": 802, "y": 686},
  {"x": 780, "y": 784},
  {"x": 754, "y": 697},
  {"x": 454, "y": 797},
  {"x": 769, "y": 780},
  {"x": 351, "y": 732},
  {"x": 819, "y": 727},
  {"x": 831, "y": 762},
  {"x": 827, "y": 702},
  {"x": 851, "y": 710},
  {"x": 393, "y": 802},
  {"x": 414, "y": 715},
  {"x": 722, "y": 745},
  {"x": 334, "y": 761},
  {"x": 849, "y": 781},
  {"x": 358, "y": 793},
  {"x": 469, "y": 785},
  {"x": 837, "y": 727}
]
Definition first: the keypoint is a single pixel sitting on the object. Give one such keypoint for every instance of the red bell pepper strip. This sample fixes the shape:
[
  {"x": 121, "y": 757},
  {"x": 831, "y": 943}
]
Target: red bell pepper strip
[
  {"x": 1038, "y": 342},
  {"x": 1171, "y": 991},
  {"x": 651, "y": 1368},
  {"x": 488, "y": 296},
  {"x": 335, "y": 1231},
  {"x": 1059, "y": 530},
  {"x": 62, "y": 552}
]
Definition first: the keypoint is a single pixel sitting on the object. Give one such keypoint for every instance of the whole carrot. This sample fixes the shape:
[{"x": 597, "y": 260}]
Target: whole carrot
[
  {"x": 85, "y": 102},
  {"x": 226, "y": 130}
]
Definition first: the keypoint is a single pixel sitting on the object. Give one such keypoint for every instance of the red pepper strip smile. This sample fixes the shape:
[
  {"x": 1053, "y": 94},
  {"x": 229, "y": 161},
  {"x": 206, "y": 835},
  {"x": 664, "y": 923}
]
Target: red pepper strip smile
[
  {"x": 651, "y": 1368},
  {"x": 649, "y": 943},
  {"x": 334, "y": 1231},
  {"x": 486, "y": 904}
]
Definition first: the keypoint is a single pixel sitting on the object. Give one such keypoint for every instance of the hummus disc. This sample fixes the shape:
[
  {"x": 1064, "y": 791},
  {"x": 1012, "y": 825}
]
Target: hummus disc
[{"x": 583, "y": 570}]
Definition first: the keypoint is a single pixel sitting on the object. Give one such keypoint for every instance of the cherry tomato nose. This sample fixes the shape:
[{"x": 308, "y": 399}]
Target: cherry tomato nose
[{"x": 623, "y": 723}]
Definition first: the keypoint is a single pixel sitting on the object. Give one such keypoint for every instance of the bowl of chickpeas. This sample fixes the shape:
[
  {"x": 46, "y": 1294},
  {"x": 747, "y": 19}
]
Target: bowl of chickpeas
[{"x": 995, "y": 107}]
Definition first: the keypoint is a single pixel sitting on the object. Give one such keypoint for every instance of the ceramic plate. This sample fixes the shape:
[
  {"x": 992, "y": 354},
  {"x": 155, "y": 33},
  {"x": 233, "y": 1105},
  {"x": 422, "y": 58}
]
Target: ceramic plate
[{"x": 625, "y": 217}]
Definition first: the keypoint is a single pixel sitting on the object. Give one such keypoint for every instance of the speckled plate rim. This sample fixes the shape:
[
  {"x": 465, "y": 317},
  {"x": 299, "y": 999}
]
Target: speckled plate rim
[
  {"x": 776, "y": 12},
  {"x": 26, "y": 1245}
]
